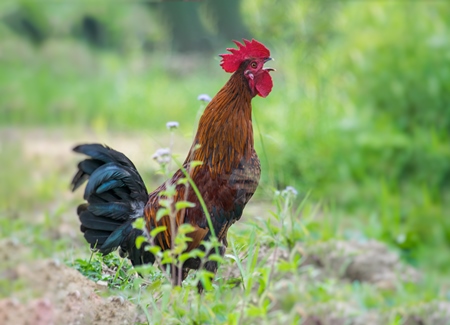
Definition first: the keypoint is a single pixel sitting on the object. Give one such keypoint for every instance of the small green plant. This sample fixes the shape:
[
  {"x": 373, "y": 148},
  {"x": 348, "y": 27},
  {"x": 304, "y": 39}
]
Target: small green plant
[
  {"x": 288, "y": 224},
  {"x": 109, "y": 268}
]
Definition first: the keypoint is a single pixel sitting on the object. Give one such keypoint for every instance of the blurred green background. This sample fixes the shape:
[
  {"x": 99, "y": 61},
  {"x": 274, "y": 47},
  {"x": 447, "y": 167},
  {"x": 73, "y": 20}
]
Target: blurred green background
[{"x": 359, "y": 116}]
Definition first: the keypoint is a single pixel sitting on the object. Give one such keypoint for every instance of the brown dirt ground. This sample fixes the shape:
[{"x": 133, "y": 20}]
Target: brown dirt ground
[{"x": 62, "y": 296}]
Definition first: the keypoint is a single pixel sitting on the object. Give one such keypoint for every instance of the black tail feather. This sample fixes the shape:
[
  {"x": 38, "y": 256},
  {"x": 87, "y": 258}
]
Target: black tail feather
[
  {"x": 96, "y": 238},
  {"x": 85, "y": 168},
  {"x": 114, "y": 210},
  {"x": 90, "y": 221},
  {"x": 116, "y": 196}
]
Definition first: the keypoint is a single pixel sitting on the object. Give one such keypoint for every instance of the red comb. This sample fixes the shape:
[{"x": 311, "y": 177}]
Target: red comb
[{"x": 250, "y": 49}]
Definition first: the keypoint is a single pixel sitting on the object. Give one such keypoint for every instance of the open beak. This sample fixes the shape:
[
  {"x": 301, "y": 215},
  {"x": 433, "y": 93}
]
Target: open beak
[{"x": 269, "y": 69}]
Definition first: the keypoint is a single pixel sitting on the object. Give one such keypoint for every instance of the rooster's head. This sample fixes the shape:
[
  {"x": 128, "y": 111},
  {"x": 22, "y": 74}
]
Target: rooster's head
[{"x": 252, "y": 55}]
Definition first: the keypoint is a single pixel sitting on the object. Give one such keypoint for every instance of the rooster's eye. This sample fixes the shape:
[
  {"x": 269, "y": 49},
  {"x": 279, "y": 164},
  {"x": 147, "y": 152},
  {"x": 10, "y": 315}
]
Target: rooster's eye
[{"x": 254, "y": 65}]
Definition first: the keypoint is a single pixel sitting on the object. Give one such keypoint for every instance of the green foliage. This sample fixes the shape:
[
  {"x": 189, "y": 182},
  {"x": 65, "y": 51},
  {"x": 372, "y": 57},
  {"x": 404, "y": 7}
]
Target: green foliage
[
  {"x": 400, "y": 78},
  {"x": 402, "y": 72},
  {"x": 107, "y": 268}
]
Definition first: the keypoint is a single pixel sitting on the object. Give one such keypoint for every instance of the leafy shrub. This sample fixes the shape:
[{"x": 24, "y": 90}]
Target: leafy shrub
[{"x": 398, "y": 62}]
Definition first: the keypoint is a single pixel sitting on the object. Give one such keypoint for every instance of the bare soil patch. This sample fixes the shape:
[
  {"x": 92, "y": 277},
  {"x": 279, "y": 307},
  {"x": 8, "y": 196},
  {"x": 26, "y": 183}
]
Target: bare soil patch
[{"x": 59, "y": 294}]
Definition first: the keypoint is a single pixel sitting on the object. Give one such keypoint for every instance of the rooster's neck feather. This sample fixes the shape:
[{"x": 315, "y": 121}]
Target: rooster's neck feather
[{"x": 225, "y": 131}]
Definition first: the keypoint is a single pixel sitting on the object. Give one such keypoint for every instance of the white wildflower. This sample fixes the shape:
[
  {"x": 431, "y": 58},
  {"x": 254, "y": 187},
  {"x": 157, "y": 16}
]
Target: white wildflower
[
  {"x": 162, "y": 156},
  {"x": 290, "y": 191},
  {"x": 204, "y": 98},
  {"x": 172, "y": 125}
]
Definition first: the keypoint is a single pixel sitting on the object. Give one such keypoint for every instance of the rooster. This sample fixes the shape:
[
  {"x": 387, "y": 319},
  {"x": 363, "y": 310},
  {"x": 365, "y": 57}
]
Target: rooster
[{"x": 226, "y": 177}]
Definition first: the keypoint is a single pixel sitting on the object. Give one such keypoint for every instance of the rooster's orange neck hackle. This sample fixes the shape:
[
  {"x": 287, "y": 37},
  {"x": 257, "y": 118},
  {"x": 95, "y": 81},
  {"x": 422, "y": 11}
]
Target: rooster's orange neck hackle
[{"x": 225, "y": 132}]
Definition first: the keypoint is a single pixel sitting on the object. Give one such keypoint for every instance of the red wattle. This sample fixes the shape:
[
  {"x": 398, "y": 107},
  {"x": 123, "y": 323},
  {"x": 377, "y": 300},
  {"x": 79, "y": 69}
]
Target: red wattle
[{"x": 263, "y": 83}]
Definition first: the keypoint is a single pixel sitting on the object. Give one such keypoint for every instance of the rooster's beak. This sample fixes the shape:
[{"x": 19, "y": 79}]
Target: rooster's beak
[{"x": 269, "y": 69}]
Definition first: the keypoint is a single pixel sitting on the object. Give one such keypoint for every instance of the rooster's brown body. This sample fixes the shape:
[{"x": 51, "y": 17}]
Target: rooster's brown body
[{"x": 226, "y": 178}]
